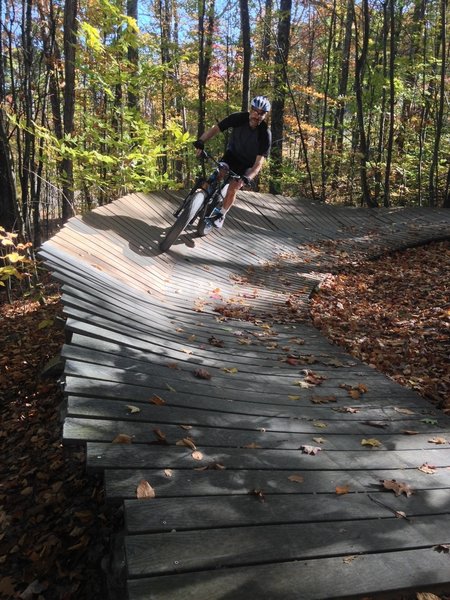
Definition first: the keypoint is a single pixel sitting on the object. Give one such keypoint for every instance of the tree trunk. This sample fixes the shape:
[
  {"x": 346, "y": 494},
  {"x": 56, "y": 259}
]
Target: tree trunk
[
  {"x": 133, "y": 57},
  {"x": 205, "y": 16},
  {"x": 432, "y": 186},
  {"x": 360, "y": 64},
  {"x": 279, "y": 84},
  {"x": 70, "y": 41},
  {"x": 245, "y": 31},
  {"x": 392, "y": 51},
  {"x": 323, "y": 158}
]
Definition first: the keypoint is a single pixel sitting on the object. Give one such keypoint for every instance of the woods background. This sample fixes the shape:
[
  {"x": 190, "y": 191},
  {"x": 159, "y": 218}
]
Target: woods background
[{"x": 99, "y": 98}]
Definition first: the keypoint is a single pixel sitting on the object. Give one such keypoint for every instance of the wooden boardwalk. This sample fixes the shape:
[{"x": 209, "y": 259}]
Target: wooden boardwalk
[{"x": 245, "y": 449}]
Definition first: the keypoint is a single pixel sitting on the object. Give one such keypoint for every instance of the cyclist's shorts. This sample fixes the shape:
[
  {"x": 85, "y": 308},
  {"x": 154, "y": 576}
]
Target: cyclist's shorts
[{"x": 234, "y": 164}]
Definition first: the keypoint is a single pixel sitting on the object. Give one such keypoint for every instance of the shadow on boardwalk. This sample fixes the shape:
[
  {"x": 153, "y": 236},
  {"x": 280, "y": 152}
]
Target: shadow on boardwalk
[{"x": 246, "y": 465}]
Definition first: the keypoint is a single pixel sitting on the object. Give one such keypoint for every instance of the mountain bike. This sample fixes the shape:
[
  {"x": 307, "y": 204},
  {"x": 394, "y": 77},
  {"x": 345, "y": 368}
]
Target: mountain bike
[{"x": 204, "y": 197}]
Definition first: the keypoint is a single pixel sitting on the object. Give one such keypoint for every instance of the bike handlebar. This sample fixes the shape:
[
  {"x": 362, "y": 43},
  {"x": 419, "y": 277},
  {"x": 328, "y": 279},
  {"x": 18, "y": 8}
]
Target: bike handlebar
[{"x": 205, "y": 155}]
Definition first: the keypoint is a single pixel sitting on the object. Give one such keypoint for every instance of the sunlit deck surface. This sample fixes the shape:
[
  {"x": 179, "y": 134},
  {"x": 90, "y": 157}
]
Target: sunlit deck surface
[{"x": 242, "y": 511}]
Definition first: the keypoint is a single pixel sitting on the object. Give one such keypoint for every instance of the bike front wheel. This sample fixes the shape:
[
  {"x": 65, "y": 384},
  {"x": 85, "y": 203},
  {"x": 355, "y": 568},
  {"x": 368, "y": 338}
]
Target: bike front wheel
[{"x": 187, "y": 215}]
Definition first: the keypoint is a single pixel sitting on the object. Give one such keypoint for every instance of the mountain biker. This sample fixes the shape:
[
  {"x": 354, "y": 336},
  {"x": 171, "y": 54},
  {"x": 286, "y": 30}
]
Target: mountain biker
[{"x": 246, "y": 152}]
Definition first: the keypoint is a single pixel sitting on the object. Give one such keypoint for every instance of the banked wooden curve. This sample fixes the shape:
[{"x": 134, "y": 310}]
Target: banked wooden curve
[{"x": 247, "y": 462}]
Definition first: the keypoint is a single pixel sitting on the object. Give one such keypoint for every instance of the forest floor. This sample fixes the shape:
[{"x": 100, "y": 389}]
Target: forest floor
[{"x": 392, "y": 313}]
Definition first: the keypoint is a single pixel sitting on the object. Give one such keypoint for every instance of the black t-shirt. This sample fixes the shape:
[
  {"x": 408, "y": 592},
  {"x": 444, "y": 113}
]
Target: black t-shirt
[{"x": 246, "y": 143}]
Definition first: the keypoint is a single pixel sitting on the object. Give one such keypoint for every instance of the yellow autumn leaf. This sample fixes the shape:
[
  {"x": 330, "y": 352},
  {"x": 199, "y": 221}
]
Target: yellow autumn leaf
[{"x": 372, "y": 442}]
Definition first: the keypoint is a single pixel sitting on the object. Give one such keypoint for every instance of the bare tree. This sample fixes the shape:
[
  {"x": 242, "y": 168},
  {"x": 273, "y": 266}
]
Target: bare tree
[
  {"x": 70, "y": 41},
  {"x": 279, "y": 86},
  {"x": 247, "y": 51}
]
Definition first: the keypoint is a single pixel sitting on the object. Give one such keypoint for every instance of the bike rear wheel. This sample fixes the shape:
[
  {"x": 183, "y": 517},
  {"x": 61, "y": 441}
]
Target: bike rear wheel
[{"x": 187, "y": 215}]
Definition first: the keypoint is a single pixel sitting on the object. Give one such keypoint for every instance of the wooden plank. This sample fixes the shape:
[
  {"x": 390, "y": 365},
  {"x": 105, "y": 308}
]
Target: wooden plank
[
  {"x": 127, "y": 456},
  {"x": 170, "y": 515},
  {"x": 157, "y": 554},
  {"x": 122, "y": 483},
  {"x": 314, "y": 579},
  {"x": 143, "y": 432}
]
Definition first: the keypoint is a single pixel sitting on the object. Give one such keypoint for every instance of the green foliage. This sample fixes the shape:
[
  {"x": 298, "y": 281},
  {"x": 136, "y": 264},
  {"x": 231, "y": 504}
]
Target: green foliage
[{"x": 14, "y": 257}]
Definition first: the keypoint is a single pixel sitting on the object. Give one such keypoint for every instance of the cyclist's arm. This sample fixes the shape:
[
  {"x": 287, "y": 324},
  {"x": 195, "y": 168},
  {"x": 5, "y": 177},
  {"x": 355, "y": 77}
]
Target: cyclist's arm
[
  {"x": 252, "y": 172},
  {"x": 209, "y": 133}
]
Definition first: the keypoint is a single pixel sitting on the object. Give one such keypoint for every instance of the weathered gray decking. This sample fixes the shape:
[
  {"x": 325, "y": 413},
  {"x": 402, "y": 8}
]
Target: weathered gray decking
[{"x": 232, "y": 523}]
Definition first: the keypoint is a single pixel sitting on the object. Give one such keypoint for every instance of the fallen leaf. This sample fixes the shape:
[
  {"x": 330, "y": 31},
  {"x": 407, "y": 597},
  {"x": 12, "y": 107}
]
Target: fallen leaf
[
  {"x": 323, "y": 399},
  {"x": 409, "y": 432},
  {"x": 197, "y": 455},
  {"x": 397, "y": 487},
  {"x": 202, "y": 374},
  {"x": 122, "y": 438},
  {"x": 320, "y": 425},
  {"x": 303, "y": 384},
  {"x": 342, "y": 489},
  {"x": 372, "y": 442},
  {"x": 252, "y": 445},
  {"x": 259, "y": 494},
  {"x": 404, "y": 411},
  {"x": 160, "y": 434},
  {"x": 429, "y": 421},
  {"x": 400, "y": 514},
  {"x": 168, "y": 472},
  {"x": 187, "y": 441},
  {"x": 438, "y": 440},
  {"x": 319, "y": 440},
  {"x": 294, "y": 397},
  {"x": 216, "y": 342},
  {"x": 442, "y": 548},
  {"x": 133, "y": 409},
  {"x": 296, "y": 478},
  {"x": 186, "y": 427},
  {"x": 233, "y": 370},
  {"x": 157, "y": 400},
  {"x": 7, "y": 586},
  {"x": 426, "y": 468},
  {"x": 349, "y": 559},
  {"x": 310, "y": 449},
  {"x": 347, "y": 409},
  {"x": 170, "y": 388},
  {"x": 211, "y": 466},
  {"x": 427, "y": 595},
  {"x": 145, "y": 490}
]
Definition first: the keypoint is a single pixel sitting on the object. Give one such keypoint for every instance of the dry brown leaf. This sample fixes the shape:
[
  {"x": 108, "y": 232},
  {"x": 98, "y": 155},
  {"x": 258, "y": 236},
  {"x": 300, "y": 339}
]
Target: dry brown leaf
[
  {"x": 168, "y": 472},
  {"x": 133, "y": 409},
  {"x": 188, "y": 442},
  {"x": 319, "y": 440},
  {"x": 259, "y": 494},
  {"x": 122, "y": 438},
  {"x": 409, "y": 432},
  {"x": 323, "y": 399},
  {"x": 400, "y": 514},
  {"x": 157, "y": 400},
  {"x": 160, "y": 435},
  {"x": 445, "y": 548},
  {"x": 186, "y": 427},
  {"x": 145, "y": 490},
  {"x": 296, "y": 478},
  {"x": 197, "y": 455},
  {"x": 349, "y": 559},
  {"x": 252, "y": 445},
  {"x": 202, "y": 374},
  {"x": 438, "y": 440},
  {"x": 397, "y": 487},
  {"x": 342, "y": 489},
  {"x": 211, "y": 466},
  {"x": 427, "y": 596},
  {"x": 428, "y": 469}
]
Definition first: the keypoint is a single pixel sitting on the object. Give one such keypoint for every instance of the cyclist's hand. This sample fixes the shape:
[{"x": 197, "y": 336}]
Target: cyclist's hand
[{"x": 246, "y": 180}]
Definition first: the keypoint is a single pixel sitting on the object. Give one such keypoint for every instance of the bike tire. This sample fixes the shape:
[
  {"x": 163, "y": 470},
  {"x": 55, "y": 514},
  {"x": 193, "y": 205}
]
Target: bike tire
[
  {"x": 187, "y": 215},
  {"x": 202, "y": 227}
]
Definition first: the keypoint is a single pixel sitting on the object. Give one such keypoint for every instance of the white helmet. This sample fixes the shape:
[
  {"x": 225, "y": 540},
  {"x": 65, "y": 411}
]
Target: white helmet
[{"x": 261, "y": 103}]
